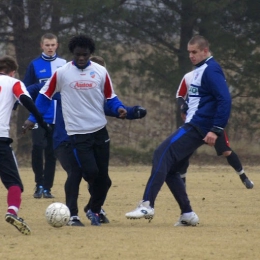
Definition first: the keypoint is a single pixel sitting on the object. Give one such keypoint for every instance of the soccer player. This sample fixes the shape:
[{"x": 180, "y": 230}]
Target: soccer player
[
  {"x": 43, "y": 159},
  {"x": 64, "y": 153},
  {"x": 84, "y": 86},
  {"x": 11, "y": 90},
  {"x": 221, "y": 146},
  {"x": 209, "y": 110}
]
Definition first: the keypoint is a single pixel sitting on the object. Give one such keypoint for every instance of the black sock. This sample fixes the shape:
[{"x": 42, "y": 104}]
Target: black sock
[
  {"x": 242, "y": 176},
  {"x": 234, "y": 162}
]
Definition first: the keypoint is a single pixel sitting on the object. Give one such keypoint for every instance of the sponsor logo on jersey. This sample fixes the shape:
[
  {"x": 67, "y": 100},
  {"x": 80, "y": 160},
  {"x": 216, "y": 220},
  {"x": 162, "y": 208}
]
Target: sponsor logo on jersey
[
  {"x": 42, "y": 71},
  {"x": 83, "y": 84},
  {"x": 193, "y": 90},
  {"x": 92, "y": 74}
]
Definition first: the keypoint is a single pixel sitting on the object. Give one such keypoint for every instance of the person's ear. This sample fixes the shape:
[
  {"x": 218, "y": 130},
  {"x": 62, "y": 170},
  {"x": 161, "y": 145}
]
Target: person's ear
[{"x": 12, "y": 73}]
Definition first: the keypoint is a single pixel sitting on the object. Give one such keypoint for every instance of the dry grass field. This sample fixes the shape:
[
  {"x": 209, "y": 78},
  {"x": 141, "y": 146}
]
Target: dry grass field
[{"x": 229, "y": 221}]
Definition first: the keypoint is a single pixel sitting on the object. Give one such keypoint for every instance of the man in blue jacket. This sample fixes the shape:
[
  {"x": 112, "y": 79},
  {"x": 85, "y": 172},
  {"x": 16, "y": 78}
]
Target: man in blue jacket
[
  {"x": 207, "y": 116},
  {"x": 43, "y": 159}
]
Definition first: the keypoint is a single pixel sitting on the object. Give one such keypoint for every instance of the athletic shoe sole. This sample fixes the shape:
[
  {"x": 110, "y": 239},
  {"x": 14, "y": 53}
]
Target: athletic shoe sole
[
  {"x": 18, "y": 223},
  {"x": 74, "y": 223},
  {"x": 150, "y": 217}
]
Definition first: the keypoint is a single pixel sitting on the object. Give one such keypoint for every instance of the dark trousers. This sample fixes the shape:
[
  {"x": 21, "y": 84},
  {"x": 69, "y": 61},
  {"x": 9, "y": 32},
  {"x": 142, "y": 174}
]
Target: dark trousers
[
  {"x": 64, "y": 154},
  {"x": 8, "y": 167},
  {"x": 168, "y": 158},
  {"x": 92, "y": 154},
  {"x": 43, "y": 158},
  {"x": 221, "y": 146}
]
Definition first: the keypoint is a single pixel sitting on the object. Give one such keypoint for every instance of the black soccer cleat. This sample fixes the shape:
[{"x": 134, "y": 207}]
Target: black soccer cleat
[
  {"x": 18, "y": 223},
  {"x": 38, "y": 192},
  {"x": 47, "y": 194}
]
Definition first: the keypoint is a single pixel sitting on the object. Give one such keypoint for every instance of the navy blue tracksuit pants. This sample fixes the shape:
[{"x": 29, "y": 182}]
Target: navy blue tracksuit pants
[
  {"x": 92, "y": 154},
  {"x": 168, "y": 158}
]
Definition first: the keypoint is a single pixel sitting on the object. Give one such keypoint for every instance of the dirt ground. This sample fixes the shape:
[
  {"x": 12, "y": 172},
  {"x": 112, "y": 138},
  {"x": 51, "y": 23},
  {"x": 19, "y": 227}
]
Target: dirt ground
[{"x": 228, "y": 229}]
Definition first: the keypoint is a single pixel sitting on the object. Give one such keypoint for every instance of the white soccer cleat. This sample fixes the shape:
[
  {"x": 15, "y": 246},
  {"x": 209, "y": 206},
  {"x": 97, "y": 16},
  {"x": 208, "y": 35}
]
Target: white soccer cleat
[
  {"x": 188, "y": 219},
  {"x": 143, "y": 210}
]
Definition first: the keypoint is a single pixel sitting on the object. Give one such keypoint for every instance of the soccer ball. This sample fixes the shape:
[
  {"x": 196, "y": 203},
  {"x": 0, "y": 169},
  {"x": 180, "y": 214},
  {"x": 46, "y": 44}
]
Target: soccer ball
[{"x": 57, "y": 214}]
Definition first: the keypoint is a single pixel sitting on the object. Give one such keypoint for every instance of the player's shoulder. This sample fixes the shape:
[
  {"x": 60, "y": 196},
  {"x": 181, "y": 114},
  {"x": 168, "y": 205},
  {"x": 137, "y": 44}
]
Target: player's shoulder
[
  {"x": 189, "y": 74},
  {"x": 10, "y": 81},
  {"x": 61, "y": 59},
  {"x": 212, "y": 67},
  {"x": 65, "y": 67},
  {"x": 97, "y": 66},
  {"x": 37, "y": 59}
]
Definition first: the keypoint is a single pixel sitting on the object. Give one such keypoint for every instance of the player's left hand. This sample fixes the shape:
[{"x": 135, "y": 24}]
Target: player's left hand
[
  {"x": 122, "y": 113},
  {"x": 210, "y": 138},
  {"x": 28, "y": 125}
]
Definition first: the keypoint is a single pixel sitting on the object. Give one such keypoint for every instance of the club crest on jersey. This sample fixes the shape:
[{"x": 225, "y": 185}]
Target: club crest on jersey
[
  {"x": 83, "y": 84},
  {"x": 92, "y": 74}
]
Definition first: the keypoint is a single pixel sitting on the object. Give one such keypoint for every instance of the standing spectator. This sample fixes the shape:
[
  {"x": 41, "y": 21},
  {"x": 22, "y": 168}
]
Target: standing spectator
[
  {"x": 209, "y": 110},
  {"x": 12, "y": 90},
  {"x": 221, "y": 146},
  {"x": 43, "y": 159},
  {"x": 84, "y": 86}
]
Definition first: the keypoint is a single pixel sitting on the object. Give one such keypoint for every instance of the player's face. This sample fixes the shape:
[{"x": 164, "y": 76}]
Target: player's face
[
  {"x": 197, "y": 55},
  {"x": 81, "y": 56},
  {"x": 49, "y": 46}
]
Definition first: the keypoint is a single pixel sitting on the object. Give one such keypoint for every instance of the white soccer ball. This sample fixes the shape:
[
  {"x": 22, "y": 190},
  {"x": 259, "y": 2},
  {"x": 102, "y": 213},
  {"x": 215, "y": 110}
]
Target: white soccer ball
[{"x": 57, "y": 214}]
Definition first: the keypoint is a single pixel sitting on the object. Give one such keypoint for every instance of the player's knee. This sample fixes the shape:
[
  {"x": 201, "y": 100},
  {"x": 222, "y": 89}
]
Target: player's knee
[{"x": 226, "y": 153}]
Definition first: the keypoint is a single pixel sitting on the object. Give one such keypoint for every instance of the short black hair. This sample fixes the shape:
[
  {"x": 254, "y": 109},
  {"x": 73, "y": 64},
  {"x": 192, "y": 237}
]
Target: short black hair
[{"x": 82, "y": 41}]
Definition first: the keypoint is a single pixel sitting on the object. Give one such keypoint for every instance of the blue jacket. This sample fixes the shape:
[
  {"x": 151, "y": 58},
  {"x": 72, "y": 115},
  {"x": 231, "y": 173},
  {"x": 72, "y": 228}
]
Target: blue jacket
[
  {"x": 42, "y": 68},
  {"x": 209, "y": 98},
  {"x": 50, "y": 115},
  {"x": 37, "y": 73}
]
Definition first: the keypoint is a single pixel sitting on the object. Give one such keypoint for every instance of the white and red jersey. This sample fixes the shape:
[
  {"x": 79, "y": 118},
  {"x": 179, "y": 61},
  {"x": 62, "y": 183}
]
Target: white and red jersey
[
  {"x": 82, "y": 96},
  {"x": 10, "y": 91},
  {"x": 184, "y": 85}
]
